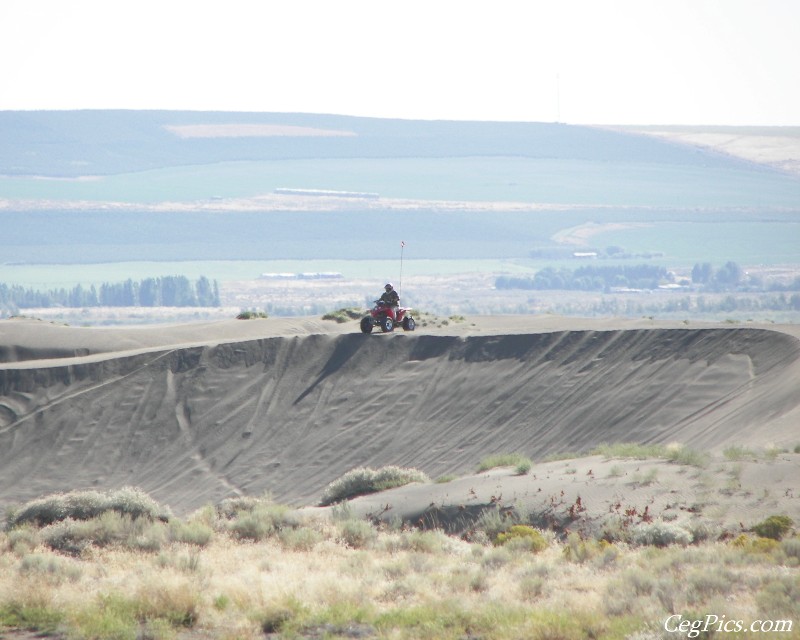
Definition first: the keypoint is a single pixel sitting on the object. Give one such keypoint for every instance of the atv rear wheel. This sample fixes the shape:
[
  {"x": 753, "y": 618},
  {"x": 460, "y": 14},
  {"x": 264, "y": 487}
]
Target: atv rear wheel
[
  {"x": 409, "y": 324},
  {"x": 366, "y": 324},
  {"x": 387, "y": 324}
]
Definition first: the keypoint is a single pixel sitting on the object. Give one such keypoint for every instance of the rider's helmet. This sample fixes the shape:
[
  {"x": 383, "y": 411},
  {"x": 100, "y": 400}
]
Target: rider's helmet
[{"x": 388, "y": 286}]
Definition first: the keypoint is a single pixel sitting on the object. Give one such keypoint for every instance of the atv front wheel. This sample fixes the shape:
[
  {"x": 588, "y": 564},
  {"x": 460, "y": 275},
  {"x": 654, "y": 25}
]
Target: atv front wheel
[
  {"x": 366, "y": 324},
  {"x": 409, "y": 324},
  {"x": 387, "y": 324}
]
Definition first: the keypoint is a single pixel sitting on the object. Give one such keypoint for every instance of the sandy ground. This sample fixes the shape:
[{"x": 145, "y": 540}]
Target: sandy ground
[
  {"x": 195, "y": 413},
  {"x": 591, "y": 494}
]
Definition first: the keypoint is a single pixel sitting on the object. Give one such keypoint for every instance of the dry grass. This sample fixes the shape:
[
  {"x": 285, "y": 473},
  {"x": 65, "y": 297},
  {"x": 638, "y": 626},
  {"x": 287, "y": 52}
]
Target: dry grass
[{"x": 250, "y": 568}]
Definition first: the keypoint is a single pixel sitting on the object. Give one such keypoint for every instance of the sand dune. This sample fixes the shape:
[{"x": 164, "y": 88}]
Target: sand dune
[{"x": 197, "y": 413}]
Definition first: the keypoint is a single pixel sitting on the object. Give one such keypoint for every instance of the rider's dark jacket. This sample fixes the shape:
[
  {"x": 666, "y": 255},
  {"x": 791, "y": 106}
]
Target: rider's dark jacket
[{"x": 390, "y": 298}]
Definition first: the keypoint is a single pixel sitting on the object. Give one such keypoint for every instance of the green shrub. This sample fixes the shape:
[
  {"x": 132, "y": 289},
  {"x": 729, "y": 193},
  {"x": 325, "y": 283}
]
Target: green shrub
[
  {"x": 521, "y": 536},
  {"x": 682, "y": 455},
  {"x": 738, "y": 452},
  {"x": 178, "y": 604},
  {"x": 531, "y": 587},
  {"x": 53, "y": 568},
  {"x": 357, "y": 534},
  {"x": 754, "y": 545},
  {"x": 493, "y": 522},
  {"x": 496, "y": 558},
  {"x": 158, "y": 607},
  {"x": 706, "y": 583},
  {"x": 780, "y": 597},
  {"x": 791, "y": 547},
  {"x": 273, "y": 619},
  {"x": 110, "y": 528},
  {"x": 111, "y": 616},
  {"x": 516, "y": 460},
  {"x": 580, "y": 550},
  {"x": 189, "y": 562},
  {"x": 196, "y": 533},
  {"x": 523, "y": 468},
  {"x": 638, "y": 581},
  {"x": 772, "y": 452},
  {"x": 40, "y": 618},
  {"x": 433, "y": 541},
  {"x": 672, "y": 452},
  {"x": 300, "y": 539},
  {"x": 630, "y": 450},
  {"x": 703, "y": 530},
  {"x": 741, "y": 541},
  {"x": 645, "y": 479},
  {"x": 659, "y": 534},
  {"x": 774, "y": 527},
  {"x": 231, "y": 507},
  {"x": 344, "y": 315},
  {"x": 84, "y": 505},
  {"x": 281, "y": 616},
  {"x": 22, "y": 539},
  {"x": 364, "y": 480},
  {"x": 763, "y": 545},
  {"x": 449, "y": 477},
  {"x": 251, "y": 314},
  {"x": 221, "y": 602},
  {"x": 263, "y": 521}
]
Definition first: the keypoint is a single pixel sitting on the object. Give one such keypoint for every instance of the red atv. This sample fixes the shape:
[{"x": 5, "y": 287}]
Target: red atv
[{"x": 384, "y": 316}]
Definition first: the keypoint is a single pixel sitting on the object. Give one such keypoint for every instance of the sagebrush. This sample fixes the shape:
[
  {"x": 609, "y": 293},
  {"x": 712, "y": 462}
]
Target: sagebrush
[{"x": 365, "y": 480}]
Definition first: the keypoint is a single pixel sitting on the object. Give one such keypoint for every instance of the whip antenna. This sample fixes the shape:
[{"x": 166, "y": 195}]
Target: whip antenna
[{"x": 400, "y": 282}]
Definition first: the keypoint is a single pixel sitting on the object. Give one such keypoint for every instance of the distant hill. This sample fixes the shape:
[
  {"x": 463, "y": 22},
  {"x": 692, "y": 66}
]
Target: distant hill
[
  {"x": 104, "y": 186},
  {"x": 74, "y": 143},
  {"x": 777, "y": 147}
]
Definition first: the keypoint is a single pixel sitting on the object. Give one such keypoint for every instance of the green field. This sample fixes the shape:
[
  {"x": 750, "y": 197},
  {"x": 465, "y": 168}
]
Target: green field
[
  {"x": 46, "y": 276},
  {"x": 556, "y": 180},
  {"x": 679, "y": 237},
  {"x": 767, "y": 242}
]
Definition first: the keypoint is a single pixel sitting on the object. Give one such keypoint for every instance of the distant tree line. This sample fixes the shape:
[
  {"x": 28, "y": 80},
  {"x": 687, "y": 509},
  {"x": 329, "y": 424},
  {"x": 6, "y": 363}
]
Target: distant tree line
[
  {"x": 728, "y": 277},
  {"x": 731, "y": 277},
  {"x": 166, "y": 291},
  {"x": 588, "y": 278},
  {"x": 755, "y": 303}
]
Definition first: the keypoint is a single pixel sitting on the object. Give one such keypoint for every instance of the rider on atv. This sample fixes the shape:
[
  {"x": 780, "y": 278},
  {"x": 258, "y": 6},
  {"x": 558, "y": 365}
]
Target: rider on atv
[
  {"x": 388, "y": 314},
  {"x": 391, "y": 299}
]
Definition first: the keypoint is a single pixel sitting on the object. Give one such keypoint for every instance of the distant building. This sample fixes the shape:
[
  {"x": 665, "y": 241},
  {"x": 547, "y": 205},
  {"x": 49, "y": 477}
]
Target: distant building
[
  {"x": 324, "y": 192},
  {"x": 319, "y": 275},
  {"x": 672, "y": 286},
  {"x": 308, "y": 275}
]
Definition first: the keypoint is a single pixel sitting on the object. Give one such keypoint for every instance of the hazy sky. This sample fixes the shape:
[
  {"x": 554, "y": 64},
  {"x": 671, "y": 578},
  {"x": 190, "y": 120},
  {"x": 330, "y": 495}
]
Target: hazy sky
[{"x": 577, "y": 61}]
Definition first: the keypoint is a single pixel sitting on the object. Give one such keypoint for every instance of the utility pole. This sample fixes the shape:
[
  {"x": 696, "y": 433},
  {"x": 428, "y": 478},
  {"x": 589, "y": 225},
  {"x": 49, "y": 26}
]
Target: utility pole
[{"x": 558, "y": 97}]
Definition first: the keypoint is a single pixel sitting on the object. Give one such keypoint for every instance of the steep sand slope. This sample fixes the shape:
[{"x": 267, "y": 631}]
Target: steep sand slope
[{"x": 290, "y": 413}]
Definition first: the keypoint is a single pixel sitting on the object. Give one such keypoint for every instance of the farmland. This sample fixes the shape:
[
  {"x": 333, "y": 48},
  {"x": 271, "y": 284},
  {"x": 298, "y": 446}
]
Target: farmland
[{"x": 111, "y": 196}]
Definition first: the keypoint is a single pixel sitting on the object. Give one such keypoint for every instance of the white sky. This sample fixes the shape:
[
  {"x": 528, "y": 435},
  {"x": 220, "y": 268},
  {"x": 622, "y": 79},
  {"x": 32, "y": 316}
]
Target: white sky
[{"x": 577, "y": 61}]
